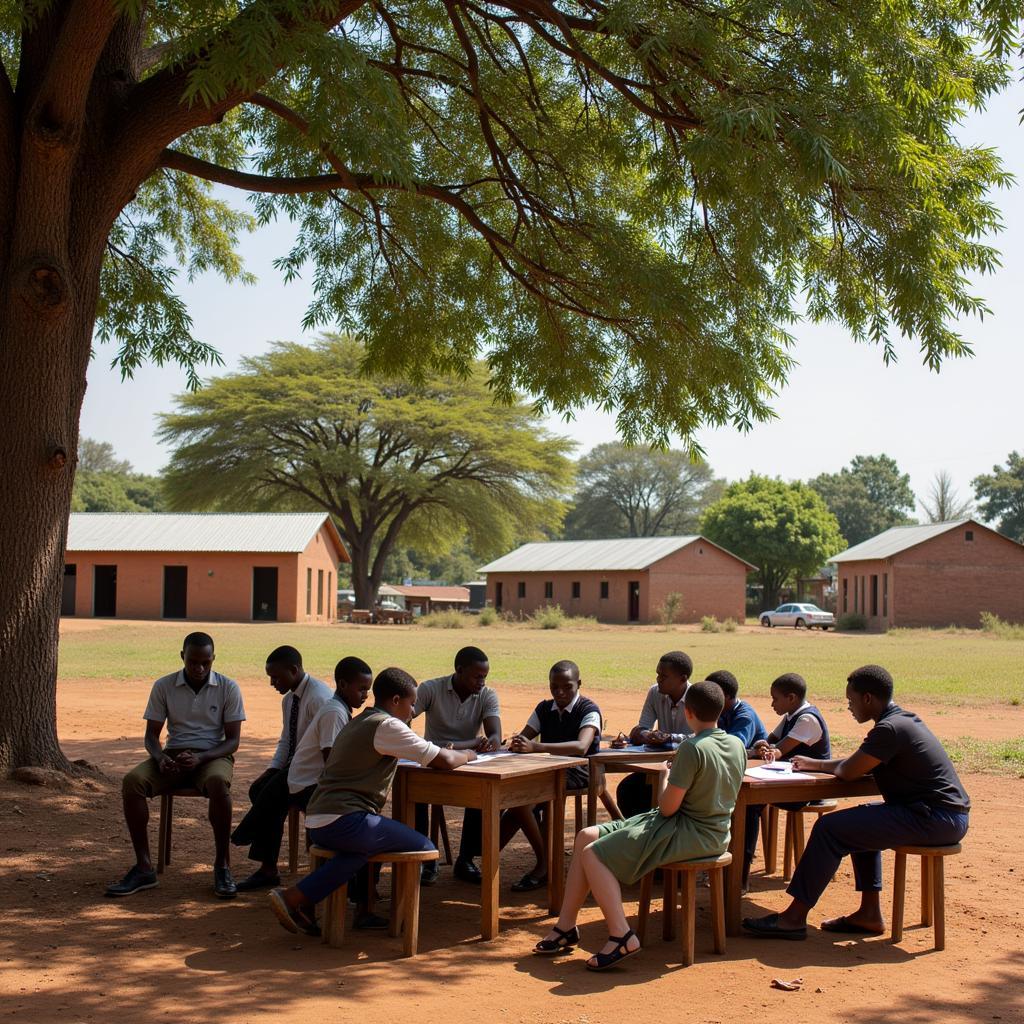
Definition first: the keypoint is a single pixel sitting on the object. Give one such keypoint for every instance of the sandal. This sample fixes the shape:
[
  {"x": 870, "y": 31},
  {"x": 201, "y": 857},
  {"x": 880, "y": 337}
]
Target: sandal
[
  {"x": 293, "y": 919},
  {"x": 529, "y": 882},
  {"x": 565, "y": 943},
  {"x": 621, "y": 952}
]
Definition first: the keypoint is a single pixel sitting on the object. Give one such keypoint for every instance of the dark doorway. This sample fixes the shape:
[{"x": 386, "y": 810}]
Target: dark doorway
[
  {"x": 497, "y": 595},
  {"x": 634, "y": 600},
  {"x": 175, "y": 591},
  {"x": 67, "y": 595},
  {"x": 104, "y": 591},
  {"x": 264, "y": 594}
]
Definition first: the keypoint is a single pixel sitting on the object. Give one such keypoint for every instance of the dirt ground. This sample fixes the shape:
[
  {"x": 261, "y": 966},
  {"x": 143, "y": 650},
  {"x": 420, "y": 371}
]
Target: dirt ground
[{"x": 179, "y": 955}]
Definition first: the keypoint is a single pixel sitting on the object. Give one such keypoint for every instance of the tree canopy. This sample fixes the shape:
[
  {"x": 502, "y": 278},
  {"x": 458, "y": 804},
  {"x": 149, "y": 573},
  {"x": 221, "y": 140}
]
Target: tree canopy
[
  {"x": 420, "y": 464},
  {"x": 1000, "y": 496},
  {"x": 867, "y": 497},
  {"x": 943, "y": 504},
  {"x": 105, "y": 483},
  {"x": 638, "y": 492},
  {"x": 785, "y": 529}
]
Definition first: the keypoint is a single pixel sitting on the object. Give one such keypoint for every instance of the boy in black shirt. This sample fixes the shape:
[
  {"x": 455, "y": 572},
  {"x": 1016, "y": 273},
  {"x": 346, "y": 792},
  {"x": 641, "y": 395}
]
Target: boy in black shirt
[{"x": 925, "y": 805}]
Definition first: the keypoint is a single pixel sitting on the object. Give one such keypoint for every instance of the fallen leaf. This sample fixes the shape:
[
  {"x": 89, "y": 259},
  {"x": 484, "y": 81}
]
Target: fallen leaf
[{"x": 788, "y": 986}]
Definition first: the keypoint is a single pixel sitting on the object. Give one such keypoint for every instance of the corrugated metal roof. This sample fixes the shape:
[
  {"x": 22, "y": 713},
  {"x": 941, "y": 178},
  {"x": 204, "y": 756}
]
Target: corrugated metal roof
[
  {"x": 593, "y": 555},
  {"x": 434, "y": 593},
  {"x": 278, "y": 532},
  {"x": 896, "y": 539}
]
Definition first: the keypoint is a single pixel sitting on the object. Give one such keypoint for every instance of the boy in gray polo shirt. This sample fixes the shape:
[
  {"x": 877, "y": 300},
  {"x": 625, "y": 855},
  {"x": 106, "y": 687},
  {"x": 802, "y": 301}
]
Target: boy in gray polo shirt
[
  {"x": 457, "y": 706},
  {"x": 204, "y": 714}
]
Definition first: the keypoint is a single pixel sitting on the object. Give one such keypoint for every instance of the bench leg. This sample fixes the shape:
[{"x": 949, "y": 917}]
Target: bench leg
[
  {"x": 771, "y": 845},
  {"x": 644, "y": 907},
  {"x": 938, "y": 874},
  {"x": 689, "y": 915},
  {"x": 716, "y": 878},
  {"x": 333, "y": 926},
  {"x": 411, "y": 901},
  {"x": 293, "y": 840},
  {"x": 163, "y": 842},
  {"x": 927, "y": 865},
  {"x": 398, "y": 883},
  {"x": 670, "y": 885},
  {"x": 899, "y": 888},
  {"x": 798, "y": 838}
]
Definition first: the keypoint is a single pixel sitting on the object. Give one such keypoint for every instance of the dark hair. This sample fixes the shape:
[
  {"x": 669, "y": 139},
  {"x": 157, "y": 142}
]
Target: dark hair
[
  {"x": 197, "y": 640},
  {"x": 285, "y": 656},
  {"x": 565, "y": 666},
  {"x": 393, "y": 682},
  {"x": 680, "y": 661},
  {"x": 727, "y": 681},
  {"x": 791, "y": 683},
  {"x": 705, "y": 701},
  {"x": 348, "y": 669},
  {"x": 470, "y": 656},
  {"x": 872, "y": 679}
]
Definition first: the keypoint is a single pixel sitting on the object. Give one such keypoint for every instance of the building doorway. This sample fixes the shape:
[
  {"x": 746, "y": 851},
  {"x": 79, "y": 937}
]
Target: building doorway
[
  {"x": 497, "y": 595},
  {"x": 264, "y": 594},
  {"x": 67, "y": 594},
  {"x": 104, "y": 591},
  {"x": 634, "y": 600},
  {"x": 175, "y": 591}
]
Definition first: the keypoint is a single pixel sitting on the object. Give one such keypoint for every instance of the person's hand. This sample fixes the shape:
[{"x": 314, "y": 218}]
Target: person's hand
[
  {"x": 760, "y": 749},
  {"x": 521, "y": 745},
  {"x": 620, "y": 741},
  {"x": 772, "y": 754},
  {"x": 167, "y": 765},
  {"x": 470, "y": 756},
  {"x": 485, "y": 745},
  {"x": 657, "y": 738},
  {"x": 804, "y": 764},
  {"x": 188, "y": 761},
  {"x": 645, "y": 735}
]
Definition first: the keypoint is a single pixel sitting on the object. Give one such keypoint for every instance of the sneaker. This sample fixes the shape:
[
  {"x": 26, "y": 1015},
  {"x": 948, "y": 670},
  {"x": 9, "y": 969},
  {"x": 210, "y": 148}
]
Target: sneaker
[
  {"x": 134, "y": 881},
  {"x": 428, "y": 873}
]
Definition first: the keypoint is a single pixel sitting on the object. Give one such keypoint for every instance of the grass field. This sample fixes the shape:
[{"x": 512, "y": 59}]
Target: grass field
[{"x": 954, "y": 667}]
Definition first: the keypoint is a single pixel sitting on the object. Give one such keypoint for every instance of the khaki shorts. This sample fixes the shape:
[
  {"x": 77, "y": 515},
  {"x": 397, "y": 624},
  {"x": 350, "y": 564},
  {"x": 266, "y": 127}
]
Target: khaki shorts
[{"x": 147, "y": 780}]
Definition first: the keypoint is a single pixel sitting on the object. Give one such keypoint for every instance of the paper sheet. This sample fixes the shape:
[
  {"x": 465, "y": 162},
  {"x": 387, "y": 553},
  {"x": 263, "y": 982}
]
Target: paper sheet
[{"x": 775, "y": 774}]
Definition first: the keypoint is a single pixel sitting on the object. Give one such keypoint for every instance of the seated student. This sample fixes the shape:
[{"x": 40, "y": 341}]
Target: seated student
[
  {"x": 569, "y": 725},
  {"x": 261, "y": 828},
  {"x": 801, "y": 732},
  {"x": 204, "y": 714},
  {"x": 738, "y": 719},
  {"x": 344, "y": 813},
  {"x": 924, "y": 805},
  {"x": 691, "y": 821},
  {"x": 457, "y": 706},
  {"x": 663, "y": 707}
]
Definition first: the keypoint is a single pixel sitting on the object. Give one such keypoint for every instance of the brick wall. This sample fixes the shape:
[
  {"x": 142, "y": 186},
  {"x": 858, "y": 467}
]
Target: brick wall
[
  {"x": 856, "y": 593},
  {"x": 710, "y": 582},
  {"x": 614, "y": 608}
]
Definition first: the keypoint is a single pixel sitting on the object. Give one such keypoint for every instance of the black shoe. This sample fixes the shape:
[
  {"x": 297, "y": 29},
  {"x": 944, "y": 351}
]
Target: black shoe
[
  {"x": 768, "y": 928},
  {"x": 364, "y": 921},
  {"x": 134, "y": 881},
  {"x": 428, "y": 873},
  {"x": 258, "y": 880},
  {"x": 467, "y": 871},
  {"x": 223, "y": 884}
]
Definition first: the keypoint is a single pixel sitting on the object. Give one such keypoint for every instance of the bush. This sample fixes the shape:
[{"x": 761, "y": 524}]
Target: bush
[
  {"x": 991, "y": 623},
  {"x": 488, "y": 616},
  {"x": 669, "y": 611},
  {"x": 709, "y": 624},
  {"x": 851, "y": 621},
  {"x": 443, "y": 620},
  {"x": 730, "y": 625},
  {"x": 550, "y": 616}
]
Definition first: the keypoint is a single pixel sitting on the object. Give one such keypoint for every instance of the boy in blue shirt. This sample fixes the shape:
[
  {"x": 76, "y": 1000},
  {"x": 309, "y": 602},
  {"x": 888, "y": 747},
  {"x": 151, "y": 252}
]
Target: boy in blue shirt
[{"x": 738, "y": 719}]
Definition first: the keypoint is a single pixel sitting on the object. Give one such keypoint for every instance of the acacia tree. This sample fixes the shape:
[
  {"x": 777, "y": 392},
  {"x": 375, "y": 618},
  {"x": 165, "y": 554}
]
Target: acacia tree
[
  {"x": 618, "y": 202},
  {"x": 392, "y": 462},
  {"x": 1000, "y": 496},
  {"x": 943, "y": 504}
]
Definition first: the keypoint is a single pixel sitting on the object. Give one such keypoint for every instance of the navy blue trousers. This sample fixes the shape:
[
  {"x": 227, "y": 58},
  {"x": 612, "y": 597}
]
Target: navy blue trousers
[
  {"x": 356, "y": 837},
  {"x": 863, "y": 832}
]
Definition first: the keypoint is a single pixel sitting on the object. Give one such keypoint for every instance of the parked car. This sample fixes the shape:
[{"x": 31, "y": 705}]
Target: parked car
[{"x": 800, "y": 616}]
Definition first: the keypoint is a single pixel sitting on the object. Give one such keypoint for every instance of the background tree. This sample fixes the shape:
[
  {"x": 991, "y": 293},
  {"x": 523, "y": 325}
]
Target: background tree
[
  {"x": 1000, "y": 496},
  {"x": 104, "y": 483},
  {"x": 785, "y": 529},
  {"x": 99, "y": 457},
  {"x": 944, "y": 504},
  {"x": 867, "y": 497},
  {"x": 418, "y": 463},
  {"x": 619, "y": 203},
  {"x": 638, "y": 492}
]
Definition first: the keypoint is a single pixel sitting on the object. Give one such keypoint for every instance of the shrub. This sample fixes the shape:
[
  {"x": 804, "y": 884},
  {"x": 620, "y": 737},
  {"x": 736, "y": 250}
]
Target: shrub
[
  {"x": 851, "y": 621},
  {"x": 488, "y": 616},
  {"x": 709, "y": 624},
  {"x": 730, "y": 625},
  {"x": 669, "y": 611},
  {"x": 991, "y": 623},
  {"x": 443, "y": 620},
  {"x": 550, "y": 616}
]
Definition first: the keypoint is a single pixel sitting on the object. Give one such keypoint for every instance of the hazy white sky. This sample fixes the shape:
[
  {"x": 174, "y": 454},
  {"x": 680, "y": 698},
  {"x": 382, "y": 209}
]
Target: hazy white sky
[{"x": 840, "y": 401}]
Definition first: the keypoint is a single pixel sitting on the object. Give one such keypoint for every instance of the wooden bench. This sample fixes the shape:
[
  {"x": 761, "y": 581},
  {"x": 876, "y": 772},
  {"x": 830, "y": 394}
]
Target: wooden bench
[
  {"x": 362, "y": 616},
  {"x": 405, "y": 896},
  {"x": 933, "y": 888},
  {"x": 163, "y": 853},
  {"x": 795, "y": 840},
  {"x": 685, "y": 873}
]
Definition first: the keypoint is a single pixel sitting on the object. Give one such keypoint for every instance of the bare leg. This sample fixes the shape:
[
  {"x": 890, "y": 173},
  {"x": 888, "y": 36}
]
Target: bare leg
[
  {"x": 136, "y": 815},
  {"x": 608, "y": 893},
  {"x": 516, "y": 818},
  {"x": 219, "y": 799},
  {"x": 576, "y": 885},
  {"x": 868, "y": 914}
]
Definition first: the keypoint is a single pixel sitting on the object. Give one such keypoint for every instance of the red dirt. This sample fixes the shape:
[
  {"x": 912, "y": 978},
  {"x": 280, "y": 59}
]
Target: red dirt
[{"x": 177, "y": 954}]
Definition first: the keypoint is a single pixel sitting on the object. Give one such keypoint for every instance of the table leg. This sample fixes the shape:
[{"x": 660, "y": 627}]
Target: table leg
[
  {"x": 401, "y": 809},
  {"x": 556, "y": 854},
  {"x": 734, "y": 888},
  {"x": 596, "y": 777},
  {"x": 489, "y": 862}
]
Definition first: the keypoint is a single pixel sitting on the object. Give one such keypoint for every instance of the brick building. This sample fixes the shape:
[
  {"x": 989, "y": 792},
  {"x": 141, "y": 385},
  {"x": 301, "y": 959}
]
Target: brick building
[
  {"x": 623, "y": 580},
  {"x": 939, "y": 574},
  {"x": 210, "y": 567}
]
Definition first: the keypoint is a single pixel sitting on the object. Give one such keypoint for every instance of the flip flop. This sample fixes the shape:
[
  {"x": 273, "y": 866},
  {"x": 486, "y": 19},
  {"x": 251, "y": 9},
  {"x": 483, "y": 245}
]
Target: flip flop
[
  {"x": 768, "y": 928},
  {"x": 294, "y": 921},
  {"x": 844, "y": 926},
  {"x": 528, "y": 883}
]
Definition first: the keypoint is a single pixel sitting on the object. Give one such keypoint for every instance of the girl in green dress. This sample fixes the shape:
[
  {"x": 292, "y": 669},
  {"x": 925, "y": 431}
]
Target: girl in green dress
[{"x": 691, "y": 822}]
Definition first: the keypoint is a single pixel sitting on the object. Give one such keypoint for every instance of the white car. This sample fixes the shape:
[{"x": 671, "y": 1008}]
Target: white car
[{"x": 800, "y": 616}]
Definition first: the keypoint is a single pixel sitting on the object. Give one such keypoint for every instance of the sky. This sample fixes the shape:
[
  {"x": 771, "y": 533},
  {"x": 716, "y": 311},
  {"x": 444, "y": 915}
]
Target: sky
[{"x": 840, "y": 400}]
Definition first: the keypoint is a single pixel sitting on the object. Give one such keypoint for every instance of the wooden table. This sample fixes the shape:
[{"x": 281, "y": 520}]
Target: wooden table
[
  {"x": 510, "y": 780},
  {"x": 777, "y": 791},
  {"x": 629, "y": 759}
]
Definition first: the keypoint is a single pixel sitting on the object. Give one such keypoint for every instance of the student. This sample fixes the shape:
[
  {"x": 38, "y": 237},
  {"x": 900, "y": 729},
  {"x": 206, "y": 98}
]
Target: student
[
  {"x": 569, "y": 725},
  {"x": 691, "y": 821},
  {"x": 802, "y": 731},
  {"x": 457, "y": 706},
  {"x": 738, "y": 719},
  {"x": 924, "y": 805},
  {"x": 662, "y": 721},
  {"x": 261, "y": 828},
  {"x": 204, "y": 714},
  {"x": 344, "y": 813}
]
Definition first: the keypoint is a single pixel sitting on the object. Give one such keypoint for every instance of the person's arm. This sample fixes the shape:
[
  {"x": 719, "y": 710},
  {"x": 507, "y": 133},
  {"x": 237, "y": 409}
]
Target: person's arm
[
  {"x": 641, "y": 732},
  {"x": 227, "y": 746},
  {"x": 447, "y": 759},
  {"x": 671, "y": 798},
  {"x": 280, "y": 758},
  {"x": 675, "y": 779},
  {"x": 521, "y": 742},
  {"x": 155, "y": 749},
  {"x": 856, "y": 766},
  {"x": 570, "y": 748},
  {"x": 491, "y": 739}
]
